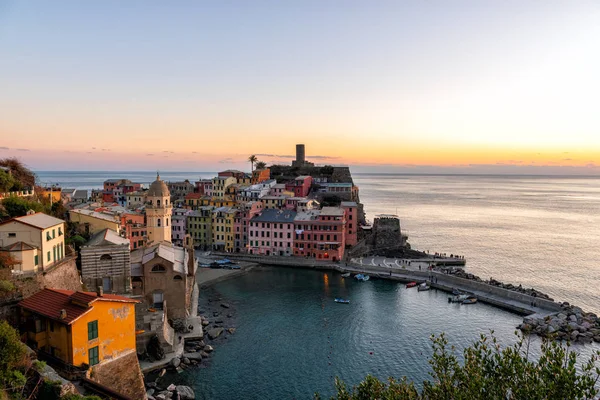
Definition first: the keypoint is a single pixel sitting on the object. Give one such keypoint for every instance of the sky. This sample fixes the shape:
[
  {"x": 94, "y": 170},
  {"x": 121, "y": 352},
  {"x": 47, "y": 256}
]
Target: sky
[{"x": 387, "y": 86}]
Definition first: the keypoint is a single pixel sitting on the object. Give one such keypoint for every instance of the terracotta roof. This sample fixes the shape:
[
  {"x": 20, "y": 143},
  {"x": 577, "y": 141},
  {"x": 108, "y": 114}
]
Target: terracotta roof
[
  {"x": 18, "y": 246},
  {"x": 193, "y": 196},
  {"x": 49, "y": 303}
]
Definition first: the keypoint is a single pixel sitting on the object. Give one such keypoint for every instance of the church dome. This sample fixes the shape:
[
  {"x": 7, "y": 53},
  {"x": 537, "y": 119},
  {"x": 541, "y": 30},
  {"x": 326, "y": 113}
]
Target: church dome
[{"x": 158, "y": 188}]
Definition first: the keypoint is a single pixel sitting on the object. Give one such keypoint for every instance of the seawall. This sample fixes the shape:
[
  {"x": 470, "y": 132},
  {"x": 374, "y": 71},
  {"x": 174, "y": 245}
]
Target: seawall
[{"x": 519, "y": 303}]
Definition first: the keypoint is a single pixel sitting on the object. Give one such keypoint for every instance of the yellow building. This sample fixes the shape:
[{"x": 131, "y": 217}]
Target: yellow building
[
  {"x": 95, "y": 221},
  {"x": 276, "y": 202},
  {"x": 220, "y": 185},
  {"x": 35, "y": 241},
  {"x": 80, "y": 329},
  {"x": 51, "y": 193},
  {"x": 223, "y": 233}
]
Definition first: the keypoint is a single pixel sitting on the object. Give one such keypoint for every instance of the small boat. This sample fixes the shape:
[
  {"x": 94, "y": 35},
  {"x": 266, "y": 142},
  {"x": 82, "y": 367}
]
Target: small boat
[
  {"x": 366, "y": 278},
  {"x": 342, "y": 301},
  {"x": 411, "y": 284},
  {"x": 470, "y": 300},
  {"x": 459, "y": 298},
  {"x": 457, "y": 292},
  {"x": 362, "y": 277},
  {"x": 423, "y": 287},
  {"x": 346, "y": 275}
]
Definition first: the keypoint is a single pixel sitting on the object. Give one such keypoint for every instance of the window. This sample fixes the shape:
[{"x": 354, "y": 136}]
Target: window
[
  {"x": 48, "y": 237},
  {"x": 177, "y": 278},
  {"x": 94, "y": 358},
  {"x": 158, "y": 223},
  {"x": 92, "y": 330},
  {"x": 158, "y": 203},
  {"x": 51, "y": 326},
  {"x": 166, "y": 221},
  {"x": 48, "y": 256},
  {"x": 105, "y": 257},
  {"x": 53, "y": 233},
  {"x": 159, "y": 268},
  {"x": 40, "y": 325},
  {"x": 36, "y": 260},
  {"x": 12, "y": 234}
]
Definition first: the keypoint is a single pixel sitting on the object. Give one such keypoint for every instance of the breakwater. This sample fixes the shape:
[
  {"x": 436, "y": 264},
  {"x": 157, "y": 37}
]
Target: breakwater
[{"x": 544, "y": 317}]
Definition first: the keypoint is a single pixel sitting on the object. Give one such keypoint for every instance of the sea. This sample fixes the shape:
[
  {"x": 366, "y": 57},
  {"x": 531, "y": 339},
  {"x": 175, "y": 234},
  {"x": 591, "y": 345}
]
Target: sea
[{"x": 292, "y": 339}]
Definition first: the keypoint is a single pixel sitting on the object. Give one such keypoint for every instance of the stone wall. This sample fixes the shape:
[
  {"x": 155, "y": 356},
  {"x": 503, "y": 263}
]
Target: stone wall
[
  {"x": 98, "y": 262},
  {"x": 122, "y": 375},
  {"x": 386, "y": 234}
]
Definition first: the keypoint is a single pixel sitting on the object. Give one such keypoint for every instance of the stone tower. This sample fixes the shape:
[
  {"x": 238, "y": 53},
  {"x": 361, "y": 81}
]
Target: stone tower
[{"x": 158, "y": 212}]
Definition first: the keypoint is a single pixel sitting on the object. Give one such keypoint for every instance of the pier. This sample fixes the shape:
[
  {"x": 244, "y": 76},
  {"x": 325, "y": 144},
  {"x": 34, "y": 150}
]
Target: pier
[{"x": 399, "y": 270}]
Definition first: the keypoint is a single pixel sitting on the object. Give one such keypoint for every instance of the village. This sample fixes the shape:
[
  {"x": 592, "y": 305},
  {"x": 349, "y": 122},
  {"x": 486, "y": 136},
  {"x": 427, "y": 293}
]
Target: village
[{"x": 129, "y": 282}]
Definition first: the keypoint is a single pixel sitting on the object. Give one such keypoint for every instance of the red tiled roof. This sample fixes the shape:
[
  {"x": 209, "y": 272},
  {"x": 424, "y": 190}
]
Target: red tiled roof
[
  {"x": 49, "y": 302},
  {"x": 190, "y": 196}
]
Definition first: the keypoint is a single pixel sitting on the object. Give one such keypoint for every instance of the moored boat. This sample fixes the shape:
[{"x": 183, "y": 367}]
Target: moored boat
[
  {"x": 411, "y": 284},
  {"x": 470, "y": 300},
  {"x": 342, "y": 301},
  {"x": 423, "y": 287},
  {"x": 362, "y": 277},
  {"x": 346, "y": 275},
  {"x": 459, "y": 298}
]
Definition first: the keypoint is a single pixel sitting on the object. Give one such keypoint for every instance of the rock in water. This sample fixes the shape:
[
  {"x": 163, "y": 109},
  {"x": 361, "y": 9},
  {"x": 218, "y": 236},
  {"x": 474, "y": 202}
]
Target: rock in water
[
  {"x": 208, "y": 348},
  {"x": 186, "y": 393},
  {"x": 215, "y": 333},
  {"x": 231, "y": 330},
  {"x": 224, "y": 305},
  {"x": 175, "y": 362},
  {"x": 171, "y": 387}
]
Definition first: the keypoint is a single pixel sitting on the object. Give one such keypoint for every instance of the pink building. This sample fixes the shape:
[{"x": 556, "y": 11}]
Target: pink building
[
  {"x": 178, "y": 225},
  {"x": 272, "y": 233},
  {"x": 320, "y": 234},
  {"x": 277, "y": 190},
  {"x": 241, "y": 224},
  {"x": 351, "y": 214},
  {"x": 204, "y": 187},
  {"x": 134, "y": 226},
  {"x": 300, "y": 186}
]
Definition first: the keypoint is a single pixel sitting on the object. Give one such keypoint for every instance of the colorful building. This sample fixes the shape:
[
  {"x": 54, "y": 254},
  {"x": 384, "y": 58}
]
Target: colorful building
[
  {"x": 223, "y": 221},
  {"x": 35, "y": 241},
  {"x": 179, "y": 190},
  {"x": 115, "y": 190},
  {"x": 199, "y": 227},
  {"x": 203, "y": 187},
  {"x": 351, "y": 215},
  {"x": 220, "y": 185},
  {"x": 179, "y": 225},
  {"x": 300, "y": 186},
  {"x": 81, "y": 329},
  {"x": 52, "y": 193},
  {"x": 320, "y": 234},
  {"x": 135, "y": 199},
  {"x": 94, "y": 221},
  {"x": 105, "y": 262},
  {"x": 260, "y": 175},
  {"x": 241, "y": 223},
  {"x": 158, "y": 212},
  {"x": 273, "y": 202},
  {"x": 272, "y": 233}
]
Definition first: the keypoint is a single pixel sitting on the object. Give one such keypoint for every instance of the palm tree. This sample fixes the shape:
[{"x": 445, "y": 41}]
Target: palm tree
[
  {"x": 261, "y": 165},
  {"x": 252, "y": 160}
]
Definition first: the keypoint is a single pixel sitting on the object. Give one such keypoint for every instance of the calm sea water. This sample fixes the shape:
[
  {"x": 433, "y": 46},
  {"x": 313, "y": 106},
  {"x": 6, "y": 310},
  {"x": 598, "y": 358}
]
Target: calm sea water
[{"x": 292, "y": 339}]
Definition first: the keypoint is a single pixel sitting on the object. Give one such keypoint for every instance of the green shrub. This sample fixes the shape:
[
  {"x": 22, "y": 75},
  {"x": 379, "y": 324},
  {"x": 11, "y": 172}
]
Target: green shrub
[
  {"x": 6, "y": 287},
  {"x": 39, "y": 365}
]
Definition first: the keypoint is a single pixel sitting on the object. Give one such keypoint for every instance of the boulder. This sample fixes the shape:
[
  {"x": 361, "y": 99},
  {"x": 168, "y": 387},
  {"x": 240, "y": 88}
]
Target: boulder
[
  {"x": 551, "y": 329},
  {"x": 185, "y": 392},
  {"x": 561, "y": 316},
  {"x": 204, "y": 354},
  {"x": 597, "y": 338},
  {"x": 205, "y": 322},
  {"x": 175, "y": 362},
  {"x": 573, "y": 318},
  {"x": 160, "y": 396},
  {"x": 224, "y": 305},
  {"x": 171, "y": 387},
  {"x": 201, "y": 344},
  {"x": 231, "y": 330},
  {"x": 150, "y": 392},
  {"x": 215, "y": 333},
  {"x": 193, "y": 356},
  {"x": 574, "y": 335},
  {"x": 208, "y": 348},
  {"x": 186, "y": 360},
  {"x": 573, "y": 325}
]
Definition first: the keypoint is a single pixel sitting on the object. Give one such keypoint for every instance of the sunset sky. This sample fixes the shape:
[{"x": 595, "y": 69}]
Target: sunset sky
[{"x": 476, "y": 86}]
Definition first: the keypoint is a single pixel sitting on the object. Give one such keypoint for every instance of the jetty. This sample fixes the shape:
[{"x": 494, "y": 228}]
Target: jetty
[{"x": 389, "y": 269}]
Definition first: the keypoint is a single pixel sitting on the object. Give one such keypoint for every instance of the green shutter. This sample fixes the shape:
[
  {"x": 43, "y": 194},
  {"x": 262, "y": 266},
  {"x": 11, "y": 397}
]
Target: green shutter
[
  {"x": 92, "y": 330},
  {"x": 93, "y": 356}
]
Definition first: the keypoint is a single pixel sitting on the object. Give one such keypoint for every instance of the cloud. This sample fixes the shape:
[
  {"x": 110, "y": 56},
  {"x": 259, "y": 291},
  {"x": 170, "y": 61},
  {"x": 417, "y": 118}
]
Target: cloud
[
  {"x": 89, "y": 152},
  {"x": 226, "y": 161},
  {"x": 150, "y": 154},
  {"x": 274, "y": 155},
  {"x": 22, "y": 149},
  {"x": 567, "y": 159},
  {"x": 194, "y": 152},
  {"x": 93, "y": 148},
  {"x": 4, "y": 148},
  {"x": 105, "y": 149},
  {"x": 322, "y": 157}
]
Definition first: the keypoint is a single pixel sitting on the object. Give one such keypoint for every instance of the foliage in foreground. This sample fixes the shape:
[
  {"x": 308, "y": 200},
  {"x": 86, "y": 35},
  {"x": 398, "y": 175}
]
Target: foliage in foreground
[{"x": 489, "y": 372}]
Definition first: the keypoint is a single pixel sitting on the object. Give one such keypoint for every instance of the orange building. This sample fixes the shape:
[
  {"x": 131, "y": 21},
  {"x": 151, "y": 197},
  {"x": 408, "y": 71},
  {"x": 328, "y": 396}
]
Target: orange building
[
  {"x": 261, "y": 175},
  {"x": 80, "y": 329}
]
